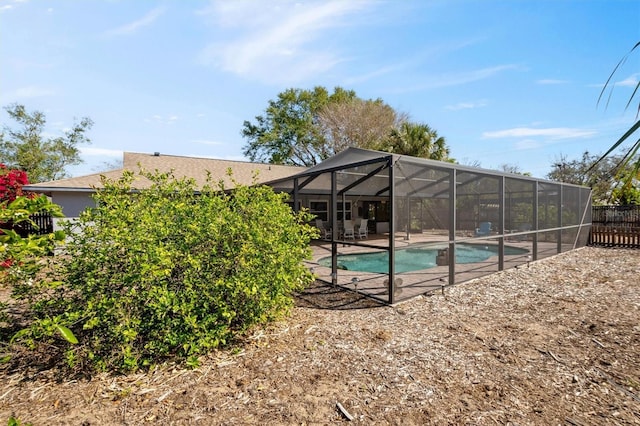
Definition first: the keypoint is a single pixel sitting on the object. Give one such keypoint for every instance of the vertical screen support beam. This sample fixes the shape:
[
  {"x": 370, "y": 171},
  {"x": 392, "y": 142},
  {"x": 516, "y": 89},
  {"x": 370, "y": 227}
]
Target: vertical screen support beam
[
  {"x": 560, "y": 224},
  {"x": 392, "y": 232},
  {"x": 452, "y": 226},
  {"x": 536, "y": 203},
  {"x": 501, "y": 216},
  {"x": 334, "y": 228},
  {"x": 295, "y": 195}
]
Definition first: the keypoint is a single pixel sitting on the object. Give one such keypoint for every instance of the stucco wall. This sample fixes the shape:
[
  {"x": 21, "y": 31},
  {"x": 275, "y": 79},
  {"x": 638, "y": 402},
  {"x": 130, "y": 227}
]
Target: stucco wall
[{"x": 73, "y": 202}]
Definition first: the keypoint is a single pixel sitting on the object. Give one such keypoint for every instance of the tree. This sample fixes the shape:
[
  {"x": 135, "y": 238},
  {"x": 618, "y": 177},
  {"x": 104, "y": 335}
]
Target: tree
[
  {"x": 417, "y": 140},
  {"x": 513, "y": 169},
  {"x": 632, "y": 133},
  {"x": 305, "y": 127},
  {"x": 357, "y": 122},
  {"x": 41, "y": 158},
  {"x": 288, "y": 132},
  {"x": 601, "y": 174}
]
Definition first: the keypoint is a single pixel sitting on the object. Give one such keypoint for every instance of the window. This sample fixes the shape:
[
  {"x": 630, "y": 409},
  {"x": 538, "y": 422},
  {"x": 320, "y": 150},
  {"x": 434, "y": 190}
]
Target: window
[
  {"x": 290, "y": 204},
  {"x": 346, "y": 210},
  {"x": 320, "y": 209}
]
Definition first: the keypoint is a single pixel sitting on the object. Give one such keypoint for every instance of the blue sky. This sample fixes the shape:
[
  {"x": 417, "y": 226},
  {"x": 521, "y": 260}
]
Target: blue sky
[{"x": 504, "y": 81}]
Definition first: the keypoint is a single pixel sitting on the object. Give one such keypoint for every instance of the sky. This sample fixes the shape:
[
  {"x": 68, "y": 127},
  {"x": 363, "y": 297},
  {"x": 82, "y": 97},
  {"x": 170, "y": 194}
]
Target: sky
[{"x": 511, "y": 82}]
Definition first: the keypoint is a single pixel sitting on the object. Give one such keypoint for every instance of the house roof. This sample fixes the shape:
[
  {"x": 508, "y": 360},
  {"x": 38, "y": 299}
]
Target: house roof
[
  {"x": 363, "y": 172},
  {"x": 243, "y": 172}
]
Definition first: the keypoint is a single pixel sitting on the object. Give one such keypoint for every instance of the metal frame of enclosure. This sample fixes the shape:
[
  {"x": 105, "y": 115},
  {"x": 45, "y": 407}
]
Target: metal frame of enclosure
[{"x": 417, "y": 209}]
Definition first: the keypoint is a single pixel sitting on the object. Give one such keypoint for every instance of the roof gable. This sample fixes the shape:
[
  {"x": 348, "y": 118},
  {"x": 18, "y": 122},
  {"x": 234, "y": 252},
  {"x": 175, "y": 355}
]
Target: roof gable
[{"x": 243, "y": 172}]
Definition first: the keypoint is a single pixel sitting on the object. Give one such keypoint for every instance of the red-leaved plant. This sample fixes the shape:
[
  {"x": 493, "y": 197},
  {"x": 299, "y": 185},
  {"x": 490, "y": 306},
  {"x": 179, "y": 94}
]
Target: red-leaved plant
[{"x": 11, "y": 183}]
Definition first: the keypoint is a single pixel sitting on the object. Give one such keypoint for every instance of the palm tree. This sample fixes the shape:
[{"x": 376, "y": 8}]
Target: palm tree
[
  {"x": 630, "y": 134},
  {"x": 417, "y": 140}
]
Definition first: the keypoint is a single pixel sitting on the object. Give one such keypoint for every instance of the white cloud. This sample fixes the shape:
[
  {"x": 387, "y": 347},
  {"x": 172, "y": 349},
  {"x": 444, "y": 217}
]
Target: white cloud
[
  {"x": 527, "y": 144},
  {"x": 28, "y": 92},
  {"x": 631, "y": 81},
  {"x": 373, "y": 74},
  {"x": 550, "y": 81},
  {"x": 466, "y": 105},
  {"x": 134, "y": 26},
  {"x": 7, "y": 7},
  {"x": 527, "y": 132},
  {"x": 276, "y": 40},
  {"x": 458, "y": 79},
  {"x": 162, "y": 119}
]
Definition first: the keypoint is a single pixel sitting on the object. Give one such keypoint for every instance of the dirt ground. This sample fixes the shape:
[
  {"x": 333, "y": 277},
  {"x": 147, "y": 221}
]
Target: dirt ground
[{"x": 555, "y": 343}]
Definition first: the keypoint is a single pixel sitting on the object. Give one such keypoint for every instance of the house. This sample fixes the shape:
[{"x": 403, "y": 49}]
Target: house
[
  {"x": 418, "y": 210},
  {"x": 420, "y": 213},
  {"x": 75, "y": 194}
]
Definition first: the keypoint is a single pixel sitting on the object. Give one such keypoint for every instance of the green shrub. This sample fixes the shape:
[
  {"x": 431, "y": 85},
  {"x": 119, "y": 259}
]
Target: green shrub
[
  {"x": 172, "y": 272},
  {"x": 23, "y": 258}
]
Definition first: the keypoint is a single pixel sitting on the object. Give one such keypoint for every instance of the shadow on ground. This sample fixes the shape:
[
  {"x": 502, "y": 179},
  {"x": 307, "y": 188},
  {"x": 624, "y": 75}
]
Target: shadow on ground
[{"x": 322, "y": 295}]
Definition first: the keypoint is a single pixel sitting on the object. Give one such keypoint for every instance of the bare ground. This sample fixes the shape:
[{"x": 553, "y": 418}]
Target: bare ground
[{"x": 555, "y": 343}]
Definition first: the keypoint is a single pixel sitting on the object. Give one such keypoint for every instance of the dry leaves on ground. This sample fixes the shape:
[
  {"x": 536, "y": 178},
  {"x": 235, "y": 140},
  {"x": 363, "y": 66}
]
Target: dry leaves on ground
[{"x": 555, "y": 343}]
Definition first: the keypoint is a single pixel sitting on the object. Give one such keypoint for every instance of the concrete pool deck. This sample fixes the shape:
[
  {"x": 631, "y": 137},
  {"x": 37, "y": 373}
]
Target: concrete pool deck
[{"x": 411, "y": 284}]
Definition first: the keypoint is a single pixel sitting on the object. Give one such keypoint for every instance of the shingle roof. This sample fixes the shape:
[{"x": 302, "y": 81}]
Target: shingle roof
[{"x": 192, "y": 167}]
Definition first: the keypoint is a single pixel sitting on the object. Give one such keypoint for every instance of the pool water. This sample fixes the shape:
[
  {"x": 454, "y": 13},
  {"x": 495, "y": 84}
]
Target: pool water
[{"x": 416, "y": 258}]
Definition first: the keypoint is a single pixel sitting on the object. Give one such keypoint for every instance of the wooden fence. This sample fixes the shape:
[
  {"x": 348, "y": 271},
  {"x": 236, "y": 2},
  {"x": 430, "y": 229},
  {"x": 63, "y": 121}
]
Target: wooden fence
[
  {"x": 615, "y": 226},
  {"x": 43, "y": 222}
]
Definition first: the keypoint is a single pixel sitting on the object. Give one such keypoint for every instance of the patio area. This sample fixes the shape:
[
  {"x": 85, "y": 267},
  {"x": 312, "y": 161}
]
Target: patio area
[
  {"x": 430, "y": 207},
  {"x": 418, "y": 282}
]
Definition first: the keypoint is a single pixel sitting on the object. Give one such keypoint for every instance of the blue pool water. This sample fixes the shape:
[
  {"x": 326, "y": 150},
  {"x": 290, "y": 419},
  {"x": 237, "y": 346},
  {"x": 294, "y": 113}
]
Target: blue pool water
[{"x": 416, "y": 258}]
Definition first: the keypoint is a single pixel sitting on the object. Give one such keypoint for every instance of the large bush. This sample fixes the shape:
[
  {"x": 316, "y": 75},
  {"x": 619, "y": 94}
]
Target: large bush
[
  {"x": 171, "y": 272},
  {"x": 22, "y": 258}
]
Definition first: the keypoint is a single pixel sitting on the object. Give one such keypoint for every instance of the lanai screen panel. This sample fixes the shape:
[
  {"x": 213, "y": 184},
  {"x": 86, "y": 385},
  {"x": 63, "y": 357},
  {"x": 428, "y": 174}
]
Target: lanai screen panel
[
  {"x": 477, "y": 204},
  {"x": 422, "y": 197},
  {"x": 519, "y": 198},
  {"x": 441, "y": 206},
  {"x": 574, "y": 212}
]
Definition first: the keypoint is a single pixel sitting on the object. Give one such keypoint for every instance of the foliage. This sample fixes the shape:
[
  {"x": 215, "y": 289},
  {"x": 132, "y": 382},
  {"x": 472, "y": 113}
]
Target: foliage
[
  {"x": 11, "y": 183},
  {"x": 607, "y": 177},
  {"x": 14, "y": 421},
  {"x": 41, "y": 158},
  {"x": 287, "y": 133},
  {"x": 305, "y": 127},
  {"x": 357, "y": 122},
  {"x": 16, "y": 249},
  {"x": 627, "y": 192},
  {"x": 513, "y": 169},
  {"x": 417, "y": 140},
  {"x": 22, "y": 257},
  {"x": 171, "y": 272},
  {"x": 630, "y": 157}
]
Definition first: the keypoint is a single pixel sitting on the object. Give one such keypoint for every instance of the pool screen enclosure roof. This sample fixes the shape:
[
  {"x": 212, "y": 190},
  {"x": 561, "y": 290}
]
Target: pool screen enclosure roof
[{"x": 410, "y": 203}]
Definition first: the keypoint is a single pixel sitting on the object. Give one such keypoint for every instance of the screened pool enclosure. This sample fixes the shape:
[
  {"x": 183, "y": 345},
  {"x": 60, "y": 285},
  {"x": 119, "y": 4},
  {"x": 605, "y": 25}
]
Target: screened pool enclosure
[{"x": 393, "y": 227}]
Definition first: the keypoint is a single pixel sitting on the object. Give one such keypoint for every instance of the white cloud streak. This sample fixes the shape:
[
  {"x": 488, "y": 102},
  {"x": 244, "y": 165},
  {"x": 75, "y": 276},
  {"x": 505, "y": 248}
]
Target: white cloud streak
[
  {"x": 466, "y": 105},
  {"x": 28, "y": 92},
  {"x": 162, "y": 119},
  {"x": 528, "y": 132},
  {"x": 458, "y": 79},
  {"x": 134, "y": 26},
  {"x": 7, "y": 7},
  {"x": 276, "y": 41},
  {"x": 631, "y": 81},
  {"x": 550, "y": 81}
]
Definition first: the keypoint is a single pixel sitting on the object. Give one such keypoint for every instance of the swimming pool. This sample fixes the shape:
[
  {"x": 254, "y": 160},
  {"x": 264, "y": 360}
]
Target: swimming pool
[{"x": 416, "y": 258}]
